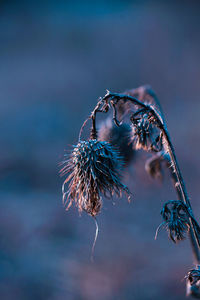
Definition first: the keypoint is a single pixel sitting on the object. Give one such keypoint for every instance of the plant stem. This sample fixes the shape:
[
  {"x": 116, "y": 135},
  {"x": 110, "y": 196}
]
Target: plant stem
[
  {"x": 184, "y": 197},
  {"x": 179, "y": 184}
]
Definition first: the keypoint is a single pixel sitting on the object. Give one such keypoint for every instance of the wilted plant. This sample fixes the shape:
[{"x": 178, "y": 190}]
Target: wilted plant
[{"x": 94, "y": 166}]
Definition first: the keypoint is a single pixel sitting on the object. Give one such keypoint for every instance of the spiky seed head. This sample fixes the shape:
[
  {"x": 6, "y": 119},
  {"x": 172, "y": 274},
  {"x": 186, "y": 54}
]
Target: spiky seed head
[
  {"x": 119, "y": 137},
  {"x": 93, "y": 168},
  {"x": 145, "y": 135},
  {"x": 176, "y": 217},
  {"x": 141, "y": 133}
]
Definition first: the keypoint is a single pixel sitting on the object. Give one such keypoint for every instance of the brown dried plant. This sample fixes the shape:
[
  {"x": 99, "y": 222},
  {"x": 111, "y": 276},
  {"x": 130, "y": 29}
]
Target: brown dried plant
[
  {"x": 94, "y": 169},
  {"x": 94, "y": 166}
]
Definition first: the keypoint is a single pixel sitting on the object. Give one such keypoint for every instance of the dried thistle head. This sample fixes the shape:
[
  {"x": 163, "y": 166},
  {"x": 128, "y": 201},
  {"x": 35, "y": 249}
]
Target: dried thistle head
[
  {"x": 176, "y": 217},
  {"x": 94, "y": 168},
  {"x": 119, "y": 137},
  {"x": 193, "y": 283},
  {"x": 145, "y": 135}
]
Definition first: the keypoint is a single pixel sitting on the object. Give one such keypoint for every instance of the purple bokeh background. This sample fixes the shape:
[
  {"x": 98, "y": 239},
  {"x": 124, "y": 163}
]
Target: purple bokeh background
[{"x": 56, "y": 59}]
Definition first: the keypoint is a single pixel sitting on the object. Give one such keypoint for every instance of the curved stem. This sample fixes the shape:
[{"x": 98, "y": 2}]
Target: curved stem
[
  {"x": 194, "y": 237},
  {"x": 194, "y": 242},
  {"x": 180, "y": 182}
]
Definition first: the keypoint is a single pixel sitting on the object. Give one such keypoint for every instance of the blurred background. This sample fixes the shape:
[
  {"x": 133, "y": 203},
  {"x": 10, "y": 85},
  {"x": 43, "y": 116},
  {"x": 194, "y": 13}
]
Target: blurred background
[{"x": 56, "y": 59}]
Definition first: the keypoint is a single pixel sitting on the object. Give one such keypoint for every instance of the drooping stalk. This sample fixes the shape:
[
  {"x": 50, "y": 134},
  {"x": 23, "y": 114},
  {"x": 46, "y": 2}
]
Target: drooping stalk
[
  {"x": 111, "y": 99},
  {"x": 178, "y": 179}
]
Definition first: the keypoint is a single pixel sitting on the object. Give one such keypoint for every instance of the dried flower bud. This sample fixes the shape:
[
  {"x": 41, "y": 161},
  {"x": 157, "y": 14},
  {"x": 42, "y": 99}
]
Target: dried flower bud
[
  {"x": 145, "y": 135},
  {"x": 176, "y": 217},
  {"x": 94, "y": 168},
  {"x": 117, "y": 136},
  {"x": 153, "y": 166},
  {"x": 193, "y": 283}
]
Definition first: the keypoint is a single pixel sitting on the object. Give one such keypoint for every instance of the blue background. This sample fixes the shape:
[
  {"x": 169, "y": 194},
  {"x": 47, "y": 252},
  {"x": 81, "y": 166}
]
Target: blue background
[{"x": 56, "y": 59}]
